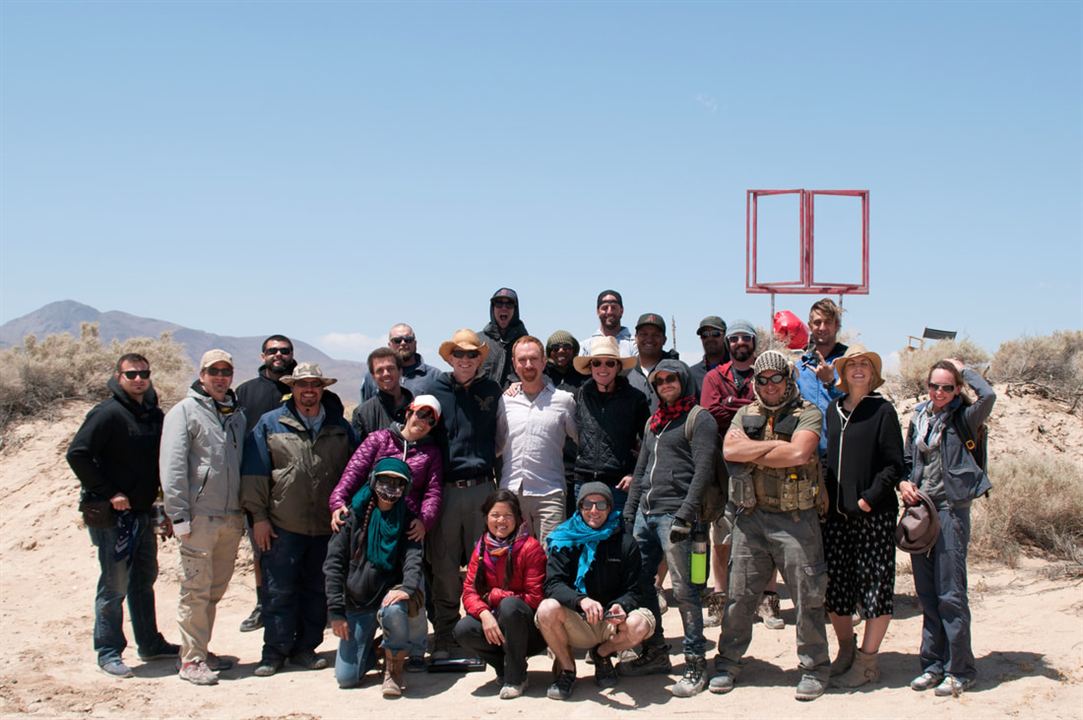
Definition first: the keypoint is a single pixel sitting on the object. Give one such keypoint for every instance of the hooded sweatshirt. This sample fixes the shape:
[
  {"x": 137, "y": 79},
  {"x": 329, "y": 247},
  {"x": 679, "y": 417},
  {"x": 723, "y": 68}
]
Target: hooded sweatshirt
[{"x": 498, "y": 363}]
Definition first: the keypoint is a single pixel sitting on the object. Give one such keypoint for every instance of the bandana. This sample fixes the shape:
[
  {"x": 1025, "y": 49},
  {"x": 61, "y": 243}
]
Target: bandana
[
  {"x": 383, "y": 531},
  {"x": 668, "y": 413}
]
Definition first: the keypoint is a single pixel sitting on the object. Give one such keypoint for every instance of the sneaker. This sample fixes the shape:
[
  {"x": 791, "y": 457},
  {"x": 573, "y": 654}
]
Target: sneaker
[
  {"x": 810, "y": 688},
  {"x": 218, "y": 664},
  {"x": 926, "y": 681},
  {"x": 953, "y": 686},
  {"x": 721, "y": 684},
  {"x": 198, "y": 673},
  {"x": 561, "y": 689},
  {"x": 694, "y": 678},
  {"x": 254, "y": 621},
  {"x": 716, "y": 604},
  {"x": 605, "y": 675},
  {"x": 268, "y": 667},
  {"x": 663, "y": 606},
  {"x": 769, "y": 612},
  {"x": 163, "y": 651},
  {"x": 308, "y": 660},
  {"x": 117, "y": 669},
  {"x": 416, "y": 664},
  {"x": 510, "y": 692},
  {"x": 654, "y": 659}
]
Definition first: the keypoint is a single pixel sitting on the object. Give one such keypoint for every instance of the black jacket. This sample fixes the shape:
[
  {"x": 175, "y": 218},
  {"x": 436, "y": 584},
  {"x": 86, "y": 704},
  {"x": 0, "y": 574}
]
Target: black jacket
[
  {"x": 466, "y": 432},
  {"x": 497, "y": 364},
  {"x": 116, "y": 449},
  {"x": 864, "y": 460},
  {"x": 377, "y": 413},
  {"x": 614, "y": 576},
  {"x": 609, "y": 425},
  {"x": 261, "y": 395},
  {"x": 570, "y": 380}
]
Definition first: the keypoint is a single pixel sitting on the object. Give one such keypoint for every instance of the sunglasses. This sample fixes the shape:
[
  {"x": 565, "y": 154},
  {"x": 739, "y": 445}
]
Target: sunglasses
[
  {"x": 426, "y": 415},
  {"x": 402, "y": 339},
  {"x": 219, "y": 372},
  {"x": 460, "y": 354},
  {"x": 942, "y": 388},
  {"x": 133, "y": 374},
  {"x": 660, "y": 381},
  {"x": 773, "y": 379},
  {"x": 278, "y": 351},
  {"x": 603, "y": 363},
  {"x": 560, "y": 346},
  {"x": 739, "y": 338},
  {"x": 710, "y": 333},
  {"x": 308, "y": 384},
  {"x": 503, "y": 303},
  {"x": 594, "y": 505}
]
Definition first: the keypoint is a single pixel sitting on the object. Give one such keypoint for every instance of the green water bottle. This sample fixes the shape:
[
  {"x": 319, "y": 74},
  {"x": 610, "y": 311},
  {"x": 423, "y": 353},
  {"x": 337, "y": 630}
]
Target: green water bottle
[{"x": 698, "y": 574}]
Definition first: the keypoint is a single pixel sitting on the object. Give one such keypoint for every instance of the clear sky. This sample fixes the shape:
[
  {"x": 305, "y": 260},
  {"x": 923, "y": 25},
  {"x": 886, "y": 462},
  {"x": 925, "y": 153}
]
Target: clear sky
[{"x": 329, "y": 169}]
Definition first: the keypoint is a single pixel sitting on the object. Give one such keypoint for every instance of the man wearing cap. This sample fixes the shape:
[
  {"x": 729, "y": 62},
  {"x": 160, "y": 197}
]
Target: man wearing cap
[
  {"x": 593, "y": 594},
  {"x": 776, "y": 486},
  {"x": 531, "y": 429},
  {"x": 467, "y": 432},
  {"x": 712, "y": 335},
  {"x": 200, "y": 467},
  {"x": 292, "y": 460},
  {"x": 561, "y": 348},
  {"x": 610, "y": 312},
  {"x": 391, "y": 399},
  {"x": 115, "y": 457},
  {"x": 415, "y": 374},
  {"x": 500, "y": 334},
  {"x": 650, "y": 339}
]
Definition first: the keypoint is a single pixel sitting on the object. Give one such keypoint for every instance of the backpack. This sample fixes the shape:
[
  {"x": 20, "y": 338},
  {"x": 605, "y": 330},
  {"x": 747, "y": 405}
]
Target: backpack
[
  {"x": 715, "y": 495},
  {"x": 977, "y": 443}
]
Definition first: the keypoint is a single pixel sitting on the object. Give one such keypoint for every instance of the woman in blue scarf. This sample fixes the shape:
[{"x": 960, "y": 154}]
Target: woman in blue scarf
[{"x": 373, "y": 576}]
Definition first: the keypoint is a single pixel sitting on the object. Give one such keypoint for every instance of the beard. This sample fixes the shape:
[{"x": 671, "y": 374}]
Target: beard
[{"x": 742, "y": 354}]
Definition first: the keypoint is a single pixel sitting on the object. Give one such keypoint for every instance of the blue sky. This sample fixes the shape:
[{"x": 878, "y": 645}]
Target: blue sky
[{"x": 329, "y": 169}]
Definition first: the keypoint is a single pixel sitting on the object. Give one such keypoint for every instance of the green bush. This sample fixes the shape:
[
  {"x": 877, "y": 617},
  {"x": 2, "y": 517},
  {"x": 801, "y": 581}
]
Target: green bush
[{"x": 914, "y": 364}]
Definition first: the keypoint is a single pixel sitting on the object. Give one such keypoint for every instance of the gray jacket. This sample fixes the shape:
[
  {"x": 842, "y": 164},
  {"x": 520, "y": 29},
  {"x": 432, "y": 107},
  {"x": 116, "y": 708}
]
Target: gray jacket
[{"x": 200, "y": 459}]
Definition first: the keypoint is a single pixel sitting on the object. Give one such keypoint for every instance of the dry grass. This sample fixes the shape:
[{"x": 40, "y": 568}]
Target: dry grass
[
  {"x": 38, "y": 375},
  {"x": 1036, "y": 505},
  {"x": 910, "y": 382},
  {"x": 1048, "y": 365}
]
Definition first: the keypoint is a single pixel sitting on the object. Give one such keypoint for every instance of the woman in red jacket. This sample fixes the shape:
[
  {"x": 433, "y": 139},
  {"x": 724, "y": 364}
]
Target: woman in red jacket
[{"x": 503, "y": 588}]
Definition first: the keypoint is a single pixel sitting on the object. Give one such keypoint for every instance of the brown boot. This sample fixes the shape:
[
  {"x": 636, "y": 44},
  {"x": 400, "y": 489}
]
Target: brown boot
[
  {"x": 845, "y": 658},
  {"x": 394, "y": 669},
  {"x": 866, "y": 669}
]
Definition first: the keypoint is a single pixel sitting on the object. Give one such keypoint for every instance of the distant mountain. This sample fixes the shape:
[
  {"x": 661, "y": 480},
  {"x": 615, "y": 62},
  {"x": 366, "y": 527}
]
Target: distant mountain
[{"x": 66, "y": 316}]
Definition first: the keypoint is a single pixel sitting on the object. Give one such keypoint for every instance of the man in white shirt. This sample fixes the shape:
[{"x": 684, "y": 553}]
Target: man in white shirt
[{"x": 610, "y": 313}]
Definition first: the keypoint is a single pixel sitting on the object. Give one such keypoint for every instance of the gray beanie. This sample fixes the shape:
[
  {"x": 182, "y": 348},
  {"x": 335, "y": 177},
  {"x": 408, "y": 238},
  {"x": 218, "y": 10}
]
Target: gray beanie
[
  {"x": 740, "y": 327},
  {"x": 595, "y": 488},
  {"x": 561, "y": 336}
]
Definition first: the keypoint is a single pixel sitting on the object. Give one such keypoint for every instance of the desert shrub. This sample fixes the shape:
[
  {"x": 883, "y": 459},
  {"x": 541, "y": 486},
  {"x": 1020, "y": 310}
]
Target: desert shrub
[
  {"x": 1036, "y": 504},
  {"x": 1051, "y": 365},
  {"x": 914, "y": 364},
  {"x": 37, "y": 375}
]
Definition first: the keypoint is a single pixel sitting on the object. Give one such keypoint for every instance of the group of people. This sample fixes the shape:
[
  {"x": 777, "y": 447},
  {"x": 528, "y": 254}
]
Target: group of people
[{"x": 568, "y": 480}]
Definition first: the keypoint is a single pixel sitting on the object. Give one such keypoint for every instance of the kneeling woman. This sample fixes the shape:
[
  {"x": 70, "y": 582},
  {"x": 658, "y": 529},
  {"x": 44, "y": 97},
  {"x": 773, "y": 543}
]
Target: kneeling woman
[
  {"x": 503, "y": 588},
  {"x": 373, "y": 576}
]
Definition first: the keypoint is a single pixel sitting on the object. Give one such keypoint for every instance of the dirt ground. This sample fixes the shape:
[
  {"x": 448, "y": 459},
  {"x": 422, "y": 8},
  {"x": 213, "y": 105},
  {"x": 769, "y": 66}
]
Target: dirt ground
[{"x": 1028, "y": 636}]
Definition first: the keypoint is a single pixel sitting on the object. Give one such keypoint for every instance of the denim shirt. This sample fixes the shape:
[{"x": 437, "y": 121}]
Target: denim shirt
[{"x": 813, "y": 391}]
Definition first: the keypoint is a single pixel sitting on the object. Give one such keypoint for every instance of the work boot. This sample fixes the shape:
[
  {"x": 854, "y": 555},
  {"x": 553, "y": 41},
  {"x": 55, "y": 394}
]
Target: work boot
[
  {"x": 254, "y": 621},
  {"x": 694, "y": 678},
  {"x": 663, "y": 605},
  {"x": 605, "y": 675},
  {"x": 769, "y": 612},
  {"x": 716, "y": 605},
  {"x": 845, "y": 658},
  {"x": 653, "y": 659},
  {"x": 394, "y": 669},
  {"x": 866, "y": 669}
]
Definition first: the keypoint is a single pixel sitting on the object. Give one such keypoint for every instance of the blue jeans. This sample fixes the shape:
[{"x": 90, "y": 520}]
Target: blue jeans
[
  {"x": 401, "y": 632},
  {"x": 295, "y": 609},
  {"x": 940, "y": 582},
  {"x": 652, "y": 535},
  {"x": 119, "y": 580}
]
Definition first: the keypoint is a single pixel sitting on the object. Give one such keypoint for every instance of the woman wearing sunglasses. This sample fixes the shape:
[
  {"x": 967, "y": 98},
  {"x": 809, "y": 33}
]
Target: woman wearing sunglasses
[
  {"x": 943, "y": 466},
  {"x": 864, "y": 465}
]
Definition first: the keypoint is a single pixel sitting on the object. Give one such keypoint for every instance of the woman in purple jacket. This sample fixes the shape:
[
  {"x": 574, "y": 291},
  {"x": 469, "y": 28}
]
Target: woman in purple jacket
[{"x": 411, "y": 443}]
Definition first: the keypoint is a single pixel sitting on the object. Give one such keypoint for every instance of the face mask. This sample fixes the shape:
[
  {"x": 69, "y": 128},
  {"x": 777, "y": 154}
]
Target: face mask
[{"x": 389, "y": 489}]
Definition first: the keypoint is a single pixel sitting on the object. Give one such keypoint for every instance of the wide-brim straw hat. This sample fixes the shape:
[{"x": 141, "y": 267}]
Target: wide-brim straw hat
[
  {"x": 602, "y": 347},
  {"x": 308, "y": 371},
  {"x": 856, "y": 351},
  {"x": 463, "y": 339}
]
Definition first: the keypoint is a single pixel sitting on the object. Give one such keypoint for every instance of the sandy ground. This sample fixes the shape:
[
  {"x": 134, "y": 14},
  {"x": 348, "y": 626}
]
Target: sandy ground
[{"x": 1028, "y": 632}]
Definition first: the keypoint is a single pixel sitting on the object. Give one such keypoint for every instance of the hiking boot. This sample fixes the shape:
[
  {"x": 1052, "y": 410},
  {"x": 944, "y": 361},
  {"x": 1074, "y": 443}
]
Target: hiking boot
[
  {"x": 308, "y": 660},
  {"x": 845, "y": 658},
  {"x": 769, "y": 612},
  {"x": 716, "y": 605},
  {"x": 561, "y": 689},
  {"x": 926, "y": 681},
  {"x": 694, "y": 678},
  {"x": 866, "y": 669},
  {"x": 721, "y": 684},
  {"x": 663, "y": 605},
  {"x": 654, "y": 659},
  {"x": 605, "y": 675},
  {"x": 254, "y": 621},
  {"x": 198, "y": 673},
  {"x": 162, "y": 651},
  {"x": 510, "y": 691},
  {"x": 810, "y": 688},
  {"x": 268, "y": 667},
  {"x": 117, "y": 669},
  {"x": 394, "y": 665},
  {"x": 953, "y": 686}
]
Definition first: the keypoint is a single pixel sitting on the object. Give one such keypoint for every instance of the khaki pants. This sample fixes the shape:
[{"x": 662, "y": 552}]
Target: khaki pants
[
  {"x": 207, "y": 558},
  {"x": 542, "y": 512}
]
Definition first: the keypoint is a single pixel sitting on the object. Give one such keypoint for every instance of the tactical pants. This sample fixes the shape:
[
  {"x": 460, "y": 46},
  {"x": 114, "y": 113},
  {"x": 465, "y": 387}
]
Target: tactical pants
[{"x": 791, "y": 542}]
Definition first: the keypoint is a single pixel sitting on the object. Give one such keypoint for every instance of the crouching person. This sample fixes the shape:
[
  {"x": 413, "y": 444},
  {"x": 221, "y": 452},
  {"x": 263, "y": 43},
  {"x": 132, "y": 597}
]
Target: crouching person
[
  {"x": 594, "y": 595},
  {"x": 373, "y": 572},
  {"x": 502, "y": 589}
]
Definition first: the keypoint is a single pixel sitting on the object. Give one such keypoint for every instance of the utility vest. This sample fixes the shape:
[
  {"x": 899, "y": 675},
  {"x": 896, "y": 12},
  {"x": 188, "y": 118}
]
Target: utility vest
[{"x": 782, "y": 489}]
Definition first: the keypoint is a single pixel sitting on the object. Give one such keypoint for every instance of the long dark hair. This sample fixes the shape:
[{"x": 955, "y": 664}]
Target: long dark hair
[
  {"x": 481, "y": 583},
  {"x": 503, "y": 496}
]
